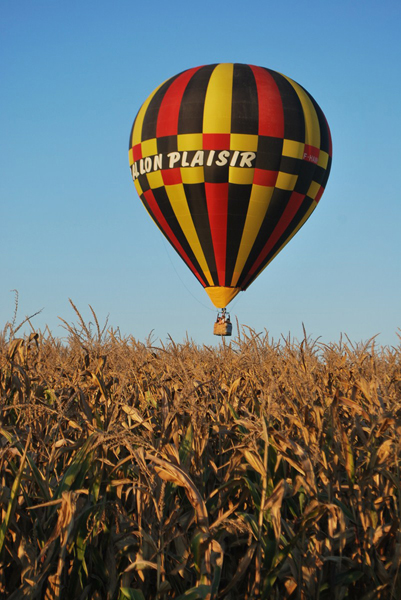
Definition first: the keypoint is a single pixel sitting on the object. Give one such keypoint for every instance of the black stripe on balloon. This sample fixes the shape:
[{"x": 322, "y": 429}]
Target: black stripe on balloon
[
  {"x": 324, "y": 130},
  {"x": 294, "y": 121},
  {"x": 320, "y": 175},
  {"x": 238, "y": 203},
  {"x": 190, "y": 118},
  {"x": 245, "y": 107},
  {"x": 215, "y": 173},
  {"x": 269, "y": 153},
  {"x": 287, "y": 233},
  {"x": 278, "y": 203},
  {"x": 144, "y": 183},
  {"x": 149, "y": 125},
  {"x": 166, "y": 144},
  {"x": 196, "y": 198},
  {"x": 289, "y": 164},
  {"x": 163, "y": 203},
  {"x": 326, "y": 173},
  {"x": 307, "y": 174}
]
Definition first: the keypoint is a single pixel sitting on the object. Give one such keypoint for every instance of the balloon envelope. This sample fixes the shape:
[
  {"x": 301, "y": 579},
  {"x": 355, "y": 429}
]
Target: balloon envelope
[{"x": 229, "y": 160}]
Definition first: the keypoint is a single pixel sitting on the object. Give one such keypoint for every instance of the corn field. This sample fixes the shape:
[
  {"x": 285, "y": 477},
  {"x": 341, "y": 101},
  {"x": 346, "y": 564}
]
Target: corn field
[{"x": 254, "y": 469}]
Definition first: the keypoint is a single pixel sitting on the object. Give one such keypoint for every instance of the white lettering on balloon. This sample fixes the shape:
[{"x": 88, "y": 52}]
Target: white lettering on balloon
[{"x": 191, "y": 159}]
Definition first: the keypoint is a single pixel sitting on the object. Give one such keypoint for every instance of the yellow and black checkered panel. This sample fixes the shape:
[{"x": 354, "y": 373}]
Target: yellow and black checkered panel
[{"x": 230, "y": 160}]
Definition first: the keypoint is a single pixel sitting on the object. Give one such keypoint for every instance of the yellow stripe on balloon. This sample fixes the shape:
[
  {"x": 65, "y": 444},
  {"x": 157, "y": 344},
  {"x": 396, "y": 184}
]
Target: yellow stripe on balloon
[
  {"x": 192, "y": 175},
  {"x": 313, "y": 190},
  {"x": 293, "y": 149},
  {"x": 218, "y": 101},
  {"x": 138, "y": 187},
  {"x": 323, "y": 159},
  {"x": 241, "y": 141},
  {"x": 130, "y": 157},
  {"x": 179, "y": 204},
  {"x": 286, "y": 181},
  {"x": 149, "y": 147},
  {"x": 240, "y": 176},
  {"x": 258, "y": 205},
  {"x": 189, "y": 141},
  {"x": 155, "y": 180},
  {"x": 137, "y": 131}
]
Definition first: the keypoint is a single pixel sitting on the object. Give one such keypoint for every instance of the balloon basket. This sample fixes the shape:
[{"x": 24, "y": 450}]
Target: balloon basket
[
  {"x": 222, "y": 328},
  {"x": 223, "y": 325}
]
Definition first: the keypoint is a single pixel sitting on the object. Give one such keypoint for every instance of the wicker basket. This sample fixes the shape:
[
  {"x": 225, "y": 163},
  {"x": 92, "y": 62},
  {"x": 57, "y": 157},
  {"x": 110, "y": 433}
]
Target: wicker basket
[{"x": 222, "y": 328}]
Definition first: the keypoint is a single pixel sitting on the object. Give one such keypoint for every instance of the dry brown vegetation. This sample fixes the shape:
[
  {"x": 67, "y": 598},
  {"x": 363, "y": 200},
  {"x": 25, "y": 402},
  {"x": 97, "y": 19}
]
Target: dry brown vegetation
[{"x": 252, "y": 470}]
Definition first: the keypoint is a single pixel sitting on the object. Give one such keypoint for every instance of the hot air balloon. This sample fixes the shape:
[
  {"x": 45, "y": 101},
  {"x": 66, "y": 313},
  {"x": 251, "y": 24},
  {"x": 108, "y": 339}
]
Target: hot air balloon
[{"x": 229, "y": 160}]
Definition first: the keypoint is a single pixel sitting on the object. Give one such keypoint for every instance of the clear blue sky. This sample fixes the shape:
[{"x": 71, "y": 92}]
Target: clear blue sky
[{"x": 73, "y": 76}]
